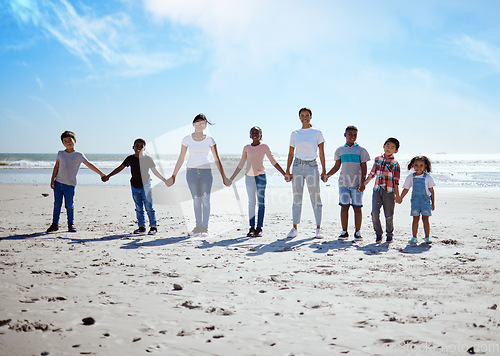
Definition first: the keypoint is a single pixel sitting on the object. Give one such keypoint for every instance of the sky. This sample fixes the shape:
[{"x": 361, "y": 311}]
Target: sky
[{"x": 425, "y": 72}]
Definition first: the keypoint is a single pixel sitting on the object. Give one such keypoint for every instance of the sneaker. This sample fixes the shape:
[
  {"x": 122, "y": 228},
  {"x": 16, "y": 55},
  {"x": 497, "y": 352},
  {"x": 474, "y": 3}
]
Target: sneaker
[
  {"x": 195, "y": 231},
  {"x": 292, "y": 233},
  {"x": 427, "y": 240},
  {"x": 140, "y": 230},
  {"x": 344, "y": 235},
  {"x": 258, "y": 232},
  {"x": 251, "y": 232},
  {"x": 204, "y": 231},
  {"x": 53, "y": 227},
  {"x": 413, "y": 240},
  {"x": 357, "y": 236},
  {"x": 152, "y": 230},
  {"x": 378, "y": 239},
  {"x": 389, "y": 239},
  {"x": 319, "y": 234},
  {"x": 71, "y": 228}
]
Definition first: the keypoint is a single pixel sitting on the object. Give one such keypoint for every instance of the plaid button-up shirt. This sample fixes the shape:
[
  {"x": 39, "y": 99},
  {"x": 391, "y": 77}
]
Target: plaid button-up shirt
[{"x": 387, "y": 173}]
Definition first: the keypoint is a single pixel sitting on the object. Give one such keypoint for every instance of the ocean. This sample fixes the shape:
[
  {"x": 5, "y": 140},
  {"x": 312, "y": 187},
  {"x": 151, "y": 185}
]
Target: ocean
[{"x": 449, "y": 170}]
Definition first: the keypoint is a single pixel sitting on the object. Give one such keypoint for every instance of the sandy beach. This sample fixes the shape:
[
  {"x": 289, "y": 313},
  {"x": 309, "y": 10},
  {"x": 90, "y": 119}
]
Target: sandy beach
[{"x": 227, "y": 294}]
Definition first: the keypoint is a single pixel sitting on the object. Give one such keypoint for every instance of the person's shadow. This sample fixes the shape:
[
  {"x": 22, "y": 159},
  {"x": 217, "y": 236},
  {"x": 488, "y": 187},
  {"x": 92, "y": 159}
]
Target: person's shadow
[
  {"x": 24, "y": 236},
  {"x": 138, "y": 242},
  {"x": 325, "y": 246},
  {"x": 374, "y": 248},
  {"x": 414, "y": 248},
  {"x": 224, "y": 243},
  {"x": 279, "y": 246}
]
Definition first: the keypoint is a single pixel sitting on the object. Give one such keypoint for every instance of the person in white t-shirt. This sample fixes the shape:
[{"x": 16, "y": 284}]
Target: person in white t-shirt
[
  {"x": 198, "y": 172},
  {"x": 304, "y": 146}
]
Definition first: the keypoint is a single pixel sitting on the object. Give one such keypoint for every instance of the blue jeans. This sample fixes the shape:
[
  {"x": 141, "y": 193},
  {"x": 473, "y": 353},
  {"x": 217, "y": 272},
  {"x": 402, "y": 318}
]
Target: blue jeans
[
  {"x": 143, "y": 198},
  {"x": 350, "y": 196},
  {"x": 200, "y": 185},
  {"x": 256, "y": 190},
  {"x": 68, "y": 192},
  {"x": 305, "y": 171}
]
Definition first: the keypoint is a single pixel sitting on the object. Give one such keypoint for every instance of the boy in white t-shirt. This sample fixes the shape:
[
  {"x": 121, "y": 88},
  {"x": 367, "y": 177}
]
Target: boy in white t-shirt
[{"x": 63, "y": 179}]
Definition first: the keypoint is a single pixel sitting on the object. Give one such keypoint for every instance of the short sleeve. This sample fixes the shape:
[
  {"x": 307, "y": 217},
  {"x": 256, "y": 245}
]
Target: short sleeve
[
  {"x": 336, "y": 155},
  {"x": 408, "y": 182},
  {"x": 365, "y": 156},
  {"x": 320, "y": 137},
  {"x": 211, "y": 141},
  {"x": 186, "y": 141},
  {"x": 292, "y": 139},
  {"x": 83, "y": 158},
  {"x": 126, "y": 162},
  {"x": 430, "y": 181}
]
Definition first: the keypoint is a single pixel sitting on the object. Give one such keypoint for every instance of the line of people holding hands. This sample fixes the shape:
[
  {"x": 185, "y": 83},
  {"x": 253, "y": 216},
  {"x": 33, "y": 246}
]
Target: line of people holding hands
[{"x": 306, "y": 145}]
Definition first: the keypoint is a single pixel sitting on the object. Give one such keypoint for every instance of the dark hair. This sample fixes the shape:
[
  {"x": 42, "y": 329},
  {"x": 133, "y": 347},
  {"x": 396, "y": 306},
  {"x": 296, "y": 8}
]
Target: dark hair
[
  {"x": 394, "y": 141},
  {"x": 201, "y": 117},
  {"x": 258, "y": 129},
  {"x": 68, "y": 134},
  {"x": 140, "y": 140},
  {"x": 427, "y": 162},
  {"x": 306, "y": 109},
  {"x": 351, "y": 127}
]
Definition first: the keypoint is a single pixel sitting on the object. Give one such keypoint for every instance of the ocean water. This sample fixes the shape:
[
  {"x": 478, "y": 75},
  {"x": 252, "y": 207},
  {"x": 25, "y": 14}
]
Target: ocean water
[{"x": 448, "y": 170}]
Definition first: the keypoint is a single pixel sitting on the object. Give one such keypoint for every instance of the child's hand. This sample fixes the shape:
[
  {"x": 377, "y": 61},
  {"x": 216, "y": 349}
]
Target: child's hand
[
  {"x": 361, "y": 187},
  {"x": 432, "y": 207},
  {"x": 399, "y": 200},
  {"x": 288, "y": 177},
  {"x": 53, "y": 184},
  {"x": 227, "y": 181},
  {"x": 170, "y": 181},
  {"x": 324, "y": 177},
  {"x": 104, "y": 178}
]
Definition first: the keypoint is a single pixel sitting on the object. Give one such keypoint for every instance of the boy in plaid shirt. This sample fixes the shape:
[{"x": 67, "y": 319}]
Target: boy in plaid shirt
[{"x": 386, "y": 189}]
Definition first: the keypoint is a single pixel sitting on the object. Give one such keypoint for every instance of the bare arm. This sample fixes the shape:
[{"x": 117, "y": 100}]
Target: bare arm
[
  {"x": 361, "y": 185},
  {"x": 117, "y": 170},
  {"x": 178, "y": 165},
  {"x": 321, "y": 148},
  {"x": 158, "y": 174},
  {"x": 94, "y": 168},
  {"x": 219, "y": 165},
  {"x": 432, "y": 198},
  {"x": 54, "y": 174},
  {"x": 291, "y": 153},
  {"x": 240, "y": 165},
  {"x": 403, "y": 194},
  {"x": 334, "y": 169}
]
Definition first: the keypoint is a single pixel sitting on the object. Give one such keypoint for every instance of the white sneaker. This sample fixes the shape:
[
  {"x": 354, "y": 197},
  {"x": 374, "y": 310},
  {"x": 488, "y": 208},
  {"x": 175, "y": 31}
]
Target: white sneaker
[
  {"x": 292, "y": 233},
  {"x": 319, "y": 234}
]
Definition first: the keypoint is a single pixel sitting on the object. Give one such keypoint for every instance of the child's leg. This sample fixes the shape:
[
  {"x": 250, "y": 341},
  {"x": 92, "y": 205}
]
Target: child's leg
[
  {"x": 358, "y": 217},
  {"x": 58, "y": 198},
  {"x": 139, "y": 210},
  {"x": 148, "y": 204},
  {"x": 388, "y": 202},
  {"x": 69, "y": 194},
  {"x": 414, "y": 225},
  {"x": 251, "y": 185},
  {"x": 427, "y": 227},
  {"x": 261, "y": 182},
  {"x": 344, "y": 217},
  {"x": 376, "y": 205}
]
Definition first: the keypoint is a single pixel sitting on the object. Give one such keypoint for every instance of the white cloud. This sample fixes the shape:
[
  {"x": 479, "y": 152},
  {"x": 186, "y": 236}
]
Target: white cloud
[
  {"x": 90, "y": 37},
  {"x": 478, "y": 51}
]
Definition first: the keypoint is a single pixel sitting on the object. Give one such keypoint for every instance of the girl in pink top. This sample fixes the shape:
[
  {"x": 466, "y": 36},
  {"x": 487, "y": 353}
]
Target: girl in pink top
[{"x": 255, "y": 178}]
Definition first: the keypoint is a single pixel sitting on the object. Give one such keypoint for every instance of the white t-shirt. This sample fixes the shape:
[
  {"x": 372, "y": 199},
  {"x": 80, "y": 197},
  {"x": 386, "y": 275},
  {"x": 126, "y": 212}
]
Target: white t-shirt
[
  {"x": 306, "y": 143},
  {"x": 198, "y": 151},
  {"x": 429, "y": 182},
  {"x": 69, "y": 163}
]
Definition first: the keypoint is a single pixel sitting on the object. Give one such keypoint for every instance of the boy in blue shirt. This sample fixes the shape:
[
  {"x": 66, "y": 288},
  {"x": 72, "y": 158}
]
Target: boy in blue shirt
[
  {"x": 63, "y": 180},
  {"x": 352, "y": 158}
]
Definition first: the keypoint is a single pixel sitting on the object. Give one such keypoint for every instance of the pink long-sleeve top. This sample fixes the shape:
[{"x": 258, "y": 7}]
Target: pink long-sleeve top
[{"x": 254, "y": 155}]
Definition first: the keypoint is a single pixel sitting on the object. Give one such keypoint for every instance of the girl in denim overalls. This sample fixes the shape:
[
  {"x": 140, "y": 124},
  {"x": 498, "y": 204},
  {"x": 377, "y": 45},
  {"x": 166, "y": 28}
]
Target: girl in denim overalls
[{"x": 422, "y": 197}]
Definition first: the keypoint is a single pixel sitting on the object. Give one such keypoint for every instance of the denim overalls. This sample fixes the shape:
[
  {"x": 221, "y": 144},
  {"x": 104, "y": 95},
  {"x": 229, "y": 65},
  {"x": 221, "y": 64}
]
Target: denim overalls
[{"x": 420, "y": 201}]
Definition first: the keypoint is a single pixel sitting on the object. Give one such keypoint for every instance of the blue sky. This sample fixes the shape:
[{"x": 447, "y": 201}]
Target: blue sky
[{"x": 426, "y": 72}]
